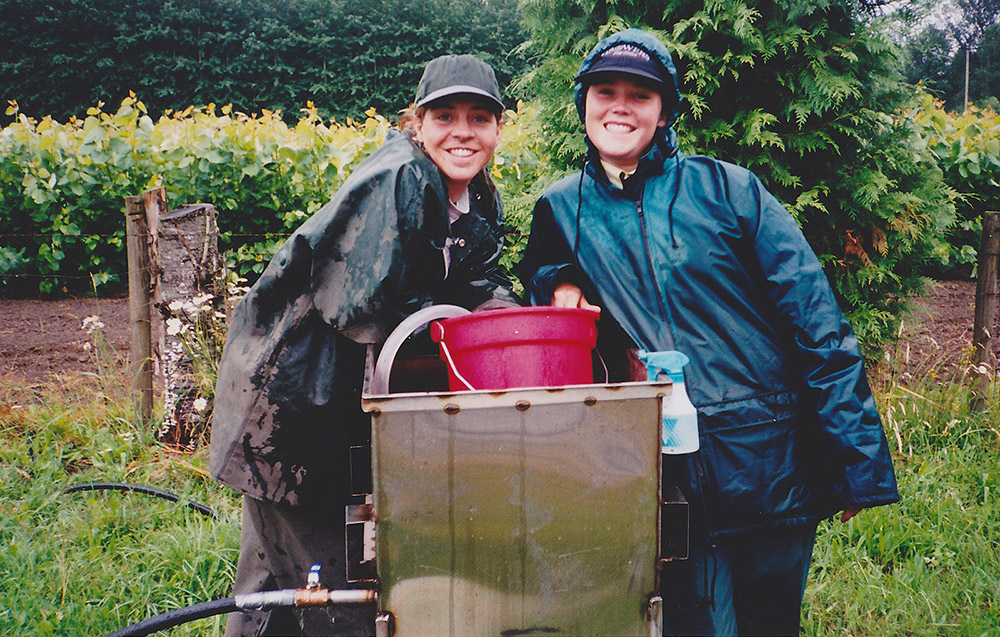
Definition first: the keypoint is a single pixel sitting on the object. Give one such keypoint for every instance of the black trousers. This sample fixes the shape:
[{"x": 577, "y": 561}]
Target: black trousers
[{"x": 748, "y": 585}]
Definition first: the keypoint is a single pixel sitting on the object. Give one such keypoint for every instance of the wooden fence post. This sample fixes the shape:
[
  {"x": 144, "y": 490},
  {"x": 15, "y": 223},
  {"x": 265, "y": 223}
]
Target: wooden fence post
[
  {"x": 984, "y": 362},
  {"x": 141, "y": 347},
  {"x": 189, "y": 291},
  {"x": 173, "y": 259}
]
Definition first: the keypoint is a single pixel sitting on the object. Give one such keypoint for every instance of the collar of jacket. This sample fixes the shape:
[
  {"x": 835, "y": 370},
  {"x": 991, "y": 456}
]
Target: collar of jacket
[{"x": 654, "y": 162}]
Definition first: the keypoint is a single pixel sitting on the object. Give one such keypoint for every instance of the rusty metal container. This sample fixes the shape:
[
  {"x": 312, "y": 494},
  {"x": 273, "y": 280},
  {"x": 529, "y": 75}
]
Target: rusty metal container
[{"x": 518, "y": 512}]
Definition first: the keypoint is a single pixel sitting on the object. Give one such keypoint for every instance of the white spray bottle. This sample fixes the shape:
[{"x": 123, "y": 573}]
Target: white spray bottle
[{"x": 680, "y": 419}]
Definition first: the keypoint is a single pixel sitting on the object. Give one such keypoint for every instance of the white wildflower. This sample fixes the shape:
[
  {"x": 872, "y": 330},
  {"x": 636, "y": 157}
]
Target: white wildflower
[
  {"x": 175, "y": 306},
  {"x": 983, "y": 369},
  {"x": 174, "y": 326},
  {"x": 86, "y": 347},
  {"x": 201, "y": 300},
  {"x": 91, "y": 324},
  {"x": 200, "y": 404}
]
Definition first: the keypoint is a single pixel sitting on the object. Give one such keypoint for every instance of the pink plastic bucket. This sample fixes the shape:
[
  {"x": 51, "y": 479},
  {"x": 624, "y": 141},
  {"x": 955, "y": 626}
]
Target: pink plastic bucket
[{"x": 518, "y": 347}]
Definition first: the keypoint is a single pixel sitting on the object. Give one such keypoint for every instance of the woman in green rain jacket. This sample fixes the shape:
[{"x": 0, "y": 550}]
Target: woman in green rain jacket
[{"x": 693, "y": 254}]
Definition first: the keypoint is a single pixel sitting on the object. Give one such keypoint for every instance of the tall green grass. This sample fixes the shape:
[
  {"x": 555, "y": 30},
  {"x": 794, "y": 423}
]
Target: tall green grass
[
  {"x": 91, "y": 563},
  {"x": 928, "y": 565}
]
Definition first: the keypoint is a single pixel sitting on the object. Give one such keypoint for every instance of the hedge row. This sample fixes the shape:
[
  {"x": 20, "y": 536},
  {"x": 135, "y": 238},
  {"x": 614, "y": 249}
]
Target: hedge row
[
  {"x": 62, "y": 184},
  {"x": 61, "y": 56}
]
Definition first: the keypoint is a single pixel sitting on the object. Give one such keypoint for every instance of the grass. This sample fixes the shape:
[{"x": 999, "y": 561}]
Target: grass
[
  {"x": 93, "y": 562},
  {"x": 928, "y": 565}
]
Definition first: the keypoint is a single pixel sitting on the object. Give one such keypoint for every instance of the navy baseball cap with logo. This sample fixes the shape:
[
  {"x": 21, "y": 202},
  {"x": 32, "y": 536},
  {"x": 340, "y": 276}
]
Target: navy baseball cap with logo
[
  {"x": 629, "y": 59},
  {"x": 457, "y": 75}
]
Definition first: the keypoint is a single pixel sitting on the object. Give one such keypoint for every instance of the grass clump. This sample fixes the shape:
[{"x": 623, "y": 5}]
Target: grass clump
[
  {"x": 93, "y": 562},
  {"x": 928, "y": 565}
]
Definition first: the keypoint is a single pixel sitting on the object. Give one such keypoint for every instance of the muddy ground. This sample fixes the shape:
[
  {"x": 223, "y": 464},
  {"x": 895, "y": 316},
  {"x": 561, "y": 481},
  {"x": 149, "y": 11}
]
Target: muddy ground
[{"x": 41, "y": 341}]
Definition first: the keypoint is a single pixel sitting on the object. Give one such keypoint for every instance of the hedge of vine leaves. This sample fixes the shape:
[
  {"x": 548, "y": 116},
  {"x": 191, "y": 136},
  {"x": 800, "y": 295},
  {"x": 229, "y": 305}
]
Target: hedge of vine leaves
[{"x": 62, "y": 184}]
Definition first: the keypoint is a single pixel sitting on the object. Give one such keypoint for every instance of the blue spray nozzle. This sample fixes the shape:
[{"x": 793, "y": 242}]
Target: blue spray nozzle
[{"x": 670, "y": 362}]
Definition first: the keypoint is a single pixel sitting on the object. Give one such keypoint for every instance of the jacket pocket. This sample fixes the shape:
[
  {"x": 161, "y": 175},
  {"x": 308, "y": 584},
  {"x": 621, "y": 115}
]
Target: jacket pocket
[{"x": 757, "y": 461}]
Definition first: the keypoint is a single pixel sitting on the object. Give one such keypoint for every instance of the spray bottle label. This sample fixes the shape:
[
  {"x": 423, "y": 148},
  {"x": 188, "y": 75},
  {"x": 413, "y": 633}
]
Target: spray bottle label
[{"x": 680, "y": 419}]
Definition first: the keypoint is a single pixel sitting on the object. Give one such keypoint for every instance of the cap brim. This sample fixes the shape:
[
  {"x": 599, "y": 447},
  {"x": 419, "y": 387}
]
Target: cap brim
[
  {"x": 621, "y": 70},
  {"x": 458, "y": 89}
]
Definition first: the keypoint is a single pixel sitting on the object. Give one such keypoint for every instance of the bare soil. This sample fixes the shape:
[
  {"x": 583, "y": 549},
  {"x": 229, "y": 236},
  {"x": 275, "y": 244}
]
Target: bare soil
[{"x": 41, "y": 342}]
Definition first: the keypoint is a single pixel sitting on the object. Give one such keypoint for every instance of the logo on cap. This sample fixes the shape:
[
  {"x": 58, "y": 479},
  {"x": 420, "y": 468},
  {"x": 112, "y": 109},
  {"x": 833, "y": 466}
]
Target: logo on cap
[
  {"x": 630, "y": 59},
  {"x": 627, "y": 50}
]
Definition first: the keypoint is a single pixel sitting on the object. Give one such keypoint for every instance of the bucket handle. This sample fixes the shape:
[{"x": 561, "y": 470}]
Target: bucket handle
[
  {"x": 451, "y": 361},
  {"x": 409, "y": 325}
]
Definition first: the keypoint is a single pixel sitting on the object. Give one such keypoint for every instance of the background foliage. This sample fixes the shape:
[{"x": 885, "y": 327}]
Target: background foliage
[
  {"x": 967, "y": 147},
  {"x": 802, "y": 92},
  {"x": 807, "y": 93},
  {"x": 263, "y": 176},
  {"x": 61, "y": 184},
  {"x": 62, "y": 56},
  {"x": 937, "y": 35}
]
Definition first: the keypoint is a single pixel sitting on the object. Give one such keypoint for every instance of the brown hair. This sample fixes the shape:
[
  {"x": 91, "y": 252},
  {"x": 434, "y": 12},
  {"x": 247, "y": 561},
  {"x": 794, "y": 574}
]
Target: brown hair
[{"x": 408, "y": 118}]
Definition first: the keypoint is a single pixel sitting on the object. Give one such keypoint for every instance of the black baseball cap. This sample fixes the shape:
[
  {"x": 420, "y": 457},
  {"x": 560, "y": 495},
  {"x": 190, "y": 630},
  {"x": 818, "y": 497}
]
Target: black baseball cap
[
  {"x": 457, "y": 75},
  {"x": 629, "y": 59}
]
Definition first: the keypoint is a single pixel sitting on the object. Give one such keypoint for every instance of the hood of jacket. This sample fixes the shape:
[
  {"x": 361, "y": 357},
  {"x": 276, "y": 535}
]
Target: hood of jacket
[{"x": 652, "y": 45}]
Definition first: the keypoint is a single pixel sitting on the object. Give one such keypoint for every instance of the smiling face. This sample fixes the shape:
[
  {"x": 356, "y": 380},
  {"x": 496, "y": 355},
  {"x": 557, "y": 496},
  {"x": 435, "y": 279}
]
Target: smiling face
[
  {"x": 621, "y": 116},
  {"x": 459, "y": 134}
]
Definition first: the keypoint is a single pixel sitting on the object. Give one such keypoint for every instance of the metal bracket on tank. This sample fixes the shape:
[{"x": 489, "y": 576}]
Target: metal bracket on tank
[
  {"x": 385, "y": 625},
  {"x": 360, "y": 531},
  {"x": 654, "y": 613}
]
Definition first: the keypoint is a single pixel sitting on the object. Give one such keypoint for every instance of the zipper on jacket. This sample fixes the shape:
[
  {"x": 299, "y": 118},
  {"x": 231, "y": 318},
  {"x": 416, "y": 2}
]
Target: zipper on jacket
[{"x": 660, "y": 302}]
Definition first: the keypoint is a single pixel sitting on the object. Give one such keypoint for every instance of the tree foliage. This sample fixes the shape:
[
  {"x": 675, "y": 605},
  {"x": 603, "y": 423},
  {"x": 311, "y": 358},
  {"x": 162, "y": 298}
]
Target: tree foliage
[
  {"x": 803, "y": 92},
  {"x": 935, "y": 52},
  {"x": 62, "y": 56},
  {"x": 976, "y": 17}
]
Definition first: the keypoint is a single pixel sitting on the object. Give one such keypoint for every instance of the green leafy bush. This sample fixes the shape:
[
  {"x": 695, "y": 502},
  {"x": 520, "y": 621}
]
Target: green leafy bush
[
  {"x": 61, "y": 185},
  {"x": 967, "y": 147}
]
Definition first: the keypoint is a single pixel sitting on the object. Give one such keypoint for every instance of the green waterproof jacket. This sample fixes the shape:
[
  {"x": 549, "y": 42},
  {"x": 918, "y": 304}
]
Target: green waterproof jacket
[
  {"x": 287, "y": 399},
  {"x": 695, "y": 255}
]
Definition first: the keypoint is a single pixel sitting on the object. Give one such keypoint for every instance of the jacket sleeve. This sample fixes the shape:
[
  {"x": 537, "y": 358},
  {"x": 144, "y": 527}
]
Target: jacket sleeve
[
  {"x": 548, "y": 258},
  {"x": 828, "y": 355}
]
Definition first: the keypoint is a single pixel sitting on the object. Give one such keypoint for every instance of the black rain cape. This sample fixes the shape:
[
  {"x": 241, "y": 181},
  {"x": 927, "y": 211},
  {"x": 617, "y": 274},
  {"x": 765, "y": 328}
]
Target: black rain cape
[{"x": 287, "y": 401}]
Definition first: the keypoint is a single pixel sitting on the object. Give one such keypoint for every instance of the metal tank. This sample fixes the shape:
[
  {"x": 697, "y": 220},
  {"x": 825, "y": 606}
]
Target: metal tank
[{"x": 517, "y": 512}]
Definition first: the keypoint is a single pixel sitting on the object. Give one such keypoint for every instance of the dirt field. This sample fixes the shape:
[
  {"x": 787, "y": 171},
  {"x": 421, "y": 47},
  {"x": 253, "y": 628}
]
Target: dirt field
[{"x": 42, "y": 340}]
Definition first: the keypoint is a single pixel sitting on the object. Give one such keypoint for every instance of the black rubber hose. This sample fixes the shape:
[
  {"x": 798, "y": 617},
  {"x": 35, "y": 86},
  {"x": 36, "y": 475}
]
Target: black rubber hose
[
  {"x": 138, "y": 488},
  {"x": 177, "y": 617}
]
